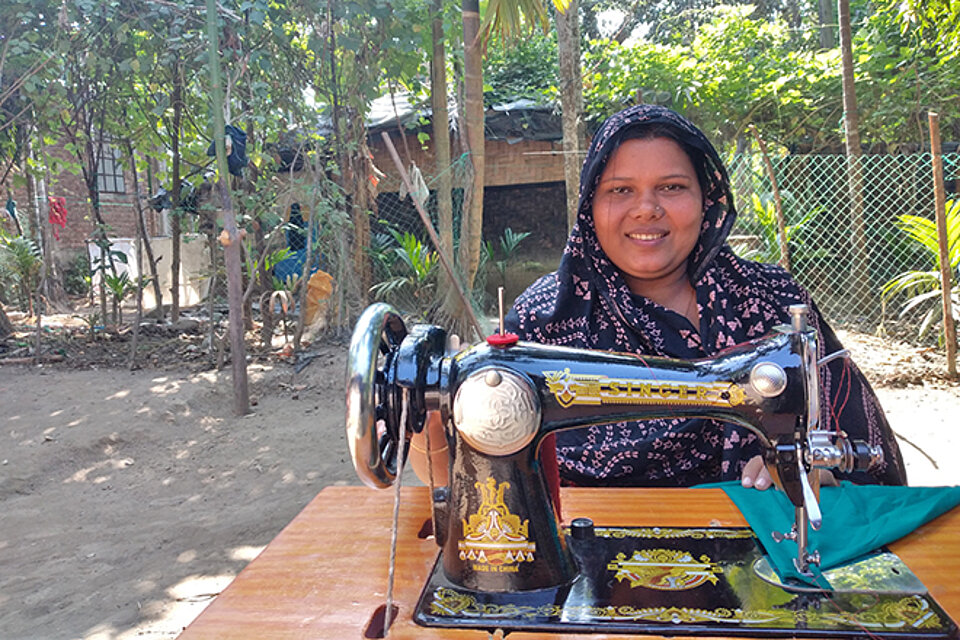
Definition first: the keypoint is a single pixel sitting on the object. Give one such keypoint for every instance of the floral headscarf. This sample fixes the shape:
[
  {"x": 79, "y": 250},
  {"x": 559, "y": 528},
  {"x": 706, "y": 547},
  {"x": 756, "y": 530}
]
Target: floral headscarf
[{"x": 586, "y": 303}]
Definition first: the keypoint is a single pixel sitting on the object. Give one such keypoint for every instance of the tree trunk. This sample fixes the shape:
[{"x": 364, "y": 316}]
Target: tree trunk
[
  {"x": 305, "y": 275},
  {"x": 441, "y": 131},
  {"x": 140, "y": 237},
  {"x": 144, "y": 239},
  {"x": 51, "y": 285},
  {"x": 363, "y": 201},
  {"x": 238, "y": 352},
  {"x": 825, "y": 12},
  {"x": 571, "y": 103},
  {"x": 175, "y": 220},
  {"x": 859, "y": 265},
  {"x": 471, "y": 225},
  {"x": 452, "y": 304},
  {"x": 90, "y": 160}
]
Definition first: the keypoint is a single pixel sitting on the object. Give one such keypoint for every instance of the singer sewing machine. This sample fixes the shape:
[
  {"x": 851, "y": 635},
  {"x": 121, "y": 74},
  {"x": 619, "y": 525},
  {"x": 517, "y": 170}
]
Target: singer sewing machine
[{"x": 507, "y": 562}]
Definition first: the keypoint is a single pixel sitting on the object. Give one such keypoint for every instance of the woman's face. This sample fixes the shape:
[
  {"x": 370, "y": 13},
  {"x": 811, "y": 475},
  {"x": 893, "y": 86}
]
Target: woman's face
[{"x": 647, "y": 211}]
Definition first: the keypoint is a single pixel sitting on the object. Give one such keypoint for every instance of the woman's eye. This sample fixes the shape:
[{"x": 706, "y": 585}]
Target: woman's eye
[{"x": 673, "y": 187}]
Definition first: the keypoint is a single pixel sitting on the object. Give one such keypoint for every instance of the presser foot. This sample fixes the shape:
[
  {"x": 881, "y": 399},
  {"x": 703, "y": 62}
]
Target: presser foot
[{"x": 877, "y": 572}]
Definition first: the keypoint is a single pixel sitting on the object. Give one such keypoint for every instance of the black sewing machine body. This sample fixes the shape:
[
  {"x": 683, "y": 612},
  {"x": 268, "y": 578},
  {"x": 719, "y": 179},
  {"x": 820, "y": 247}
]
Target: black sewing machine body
[
  {"x": 569, "y": 388},
  {"x": 496, "y": 525}
]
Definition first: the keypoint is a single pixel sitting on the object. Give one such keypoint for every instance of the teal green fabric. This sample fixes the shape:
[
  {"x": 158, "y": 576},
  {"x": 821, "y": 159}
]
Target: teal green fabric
[{"x": 857, "y": 519}]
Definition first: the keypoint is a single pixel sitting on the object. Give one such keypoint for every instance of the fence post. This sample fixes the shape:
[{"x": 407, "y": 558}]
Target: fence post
[{"x": 946, "y": 283}]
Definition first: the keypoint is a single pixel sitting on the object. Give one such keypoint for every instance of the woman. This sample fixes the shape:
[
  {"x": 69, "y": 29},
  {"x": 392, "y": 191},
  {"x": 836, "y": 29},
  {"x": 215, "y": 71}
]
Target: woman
[{"x": 647, "y": 270}]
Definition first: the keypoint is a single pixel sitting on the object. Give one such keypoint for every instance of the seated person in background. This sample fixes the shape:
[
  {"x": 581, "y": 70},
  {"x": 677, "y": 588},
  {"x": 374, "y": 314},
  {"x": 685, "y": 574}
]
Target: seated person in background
[{"x": 646, "y": 270}]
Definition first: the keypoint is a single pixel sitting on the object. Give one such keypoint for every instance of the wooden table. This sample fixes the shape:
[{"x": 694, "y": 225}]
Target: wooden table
[{"x": 325, "y": 574}]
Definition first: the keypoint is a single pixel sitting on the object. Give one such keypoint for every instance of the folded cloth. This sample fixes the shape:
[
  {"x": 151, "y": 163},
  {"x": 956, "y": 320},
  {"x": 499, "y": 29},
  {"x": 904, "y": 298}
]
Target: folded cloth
[{"x": 857, "y": 519}]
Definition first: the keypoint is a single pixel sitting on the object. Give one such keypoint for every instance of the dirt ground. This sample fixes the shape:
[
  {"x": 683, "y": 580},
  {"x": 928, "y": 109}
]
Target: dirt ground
[{"x": 129, "y": 500}]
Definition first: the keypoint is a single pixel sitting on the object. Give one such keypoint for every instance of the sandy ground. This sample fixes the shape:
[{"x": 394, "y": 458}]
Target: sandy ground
[{"x": 129, "y": 500}]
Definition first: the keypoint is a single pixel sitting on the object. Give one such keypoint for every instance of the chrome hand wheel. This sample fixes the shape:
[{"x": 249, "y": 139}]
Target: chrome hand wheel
[{"x": 373, "y": 405}]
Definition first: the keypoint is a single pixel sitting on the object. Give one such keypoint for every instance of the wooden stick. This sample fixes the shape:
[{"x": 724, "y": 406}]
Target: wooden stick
[
  {"x": 31, "y": 360},
  {"x": 946, "y": 283},
  {"x": 428, "y": 225},
  {"x": 778, "y": 204}
]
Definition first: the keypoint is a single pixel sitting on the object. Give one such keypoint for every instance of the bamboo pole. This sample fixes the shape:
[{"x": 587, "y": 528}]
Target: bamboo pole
[
  {"x": 946, "y": 283},
  {"x": 230, "y": 237}
]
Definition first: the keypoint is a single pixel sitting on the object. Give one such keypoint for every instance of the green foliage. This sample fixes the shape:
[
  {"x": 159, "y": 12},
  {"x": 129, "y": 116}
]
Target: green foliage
[
  {"x": 737, "y": 70},
  {"x": 764, "y": 225},
  {"x": 509, "y": 242},
  {"x": 77, "y": 278},
  {"x": 119, "y": 285},
  {"x": 20, "y": 267},
  {"x": 523, "y": 69},
  {"x": 511, "y": 19},
  {"x": 408, "y": 271},
  {"x": 924, "y": 288}
]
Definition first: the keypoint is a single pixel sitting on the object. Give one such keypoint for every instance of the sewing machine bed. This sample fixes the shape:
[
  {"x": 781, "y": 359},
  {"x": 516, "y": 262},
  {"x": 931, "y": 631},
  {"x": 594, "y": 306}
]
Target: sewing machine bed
[{"x": 684, "y": 581}]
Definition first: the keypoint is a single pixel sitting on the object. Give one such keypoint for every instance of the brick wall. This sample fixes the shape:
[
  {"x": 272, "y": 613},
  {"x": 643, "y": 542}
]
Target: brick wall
[
  {"x": 117, "y": 208},
  {"x": 524, "y": 189},
  {"x": 524, "y": 162}
]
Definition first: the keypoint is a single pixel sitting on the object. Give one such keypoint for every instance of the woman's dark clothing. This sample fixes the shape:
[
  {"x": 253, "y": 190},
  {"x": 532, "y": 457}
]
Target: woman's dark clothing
[{"x": 586, "y": 303}]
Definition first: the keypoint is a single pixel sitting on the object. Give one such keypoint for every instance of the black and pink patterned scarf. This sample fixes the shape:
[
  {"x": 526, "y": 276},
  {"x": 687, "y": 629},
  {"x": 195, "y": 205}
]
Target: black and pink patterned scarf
[{"x": 587, "y": 304}]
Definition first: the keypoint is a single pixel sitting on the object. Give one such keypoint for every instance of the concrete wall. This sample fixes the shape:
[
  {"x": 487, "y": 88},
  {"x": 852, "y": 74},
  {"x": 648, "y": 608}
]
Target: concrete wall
[{"x": 194, "y": 268}]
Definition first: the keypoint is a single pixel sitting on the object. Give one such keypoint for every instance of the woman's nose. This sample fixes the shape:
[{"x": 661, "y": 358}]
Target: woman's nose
[{"x": 647, "y": 206}]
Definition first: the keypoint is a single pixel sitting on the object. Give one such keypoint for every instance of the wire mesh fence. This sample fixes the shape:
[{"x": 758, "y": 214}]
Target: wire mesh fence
[
  {"x": 407, "y": 268},
  {"x": 844, "y": 248}
]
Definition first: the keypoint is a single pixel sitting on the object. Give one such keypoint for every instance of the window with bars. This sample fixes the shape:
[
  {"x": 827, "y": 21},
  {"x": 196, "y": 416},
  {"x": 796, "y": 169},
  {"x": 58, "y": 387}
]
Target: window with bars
[{"x": 110, "y": 171}]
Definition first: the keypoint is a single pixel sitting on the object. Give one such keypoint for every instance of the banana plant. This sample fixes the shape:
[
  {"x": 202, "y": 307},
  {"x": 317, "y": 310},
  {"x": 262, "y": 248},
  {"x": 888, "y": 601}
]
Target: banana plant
[{"x": 924, "y": 289}]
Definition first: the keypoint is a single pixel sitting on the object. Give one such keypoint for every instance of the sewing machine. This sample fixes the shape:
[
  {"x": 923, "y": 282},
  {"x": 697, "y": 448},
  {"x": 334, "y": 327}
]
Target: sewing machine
[{"x": 506, "y": 561}]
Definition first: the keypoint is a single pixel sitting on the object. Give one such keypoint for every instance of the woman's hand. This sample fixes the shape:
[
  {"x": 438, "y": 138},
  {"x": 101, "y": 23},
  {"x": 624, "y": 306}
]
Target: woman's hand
[
  {"x": 439, "y": 456},
  {"x": 437, "y": 462},
  {"x": 755, "y": 474}
]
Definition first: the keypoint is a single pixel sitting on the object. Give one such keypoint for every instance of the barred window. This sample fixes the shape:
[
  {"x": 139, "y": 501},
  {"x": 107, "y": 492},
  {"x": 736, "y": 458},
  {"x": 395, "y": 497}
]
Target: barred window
[{"x": 110, "y": 171}]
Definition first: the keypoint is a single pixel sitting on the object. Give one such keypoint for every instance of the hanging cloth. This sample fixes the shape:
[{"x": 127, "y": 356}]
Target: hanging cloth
[
  {"x": 236, "y": 140},
  {"x": 420, "y": 192},
  {"x": 12, "y": 210},
  {"x": 58, "y": 214}
]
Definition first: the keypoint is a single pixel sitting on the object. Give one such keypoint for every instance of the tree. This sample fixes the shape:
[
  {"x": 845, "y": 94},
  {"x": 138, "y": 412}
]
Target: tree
[
  {"x": 29, "y": 62},
  {"x": 507, "y": 20},
  {"x": 571, "y": 103},
  {"x": 858, "y": 266},
  {"x": 231, "y": 238},
  {"x": 471, "y": 225}
]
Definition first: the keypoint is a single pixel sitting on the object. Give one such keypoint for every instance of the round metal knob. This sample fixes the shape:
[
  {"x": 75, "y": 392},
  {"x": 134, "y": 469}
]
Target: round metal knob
[
  {"x": 493, "y": 378},
  {"x": 581, "y": 528},
  {"x": 768, "y": 379},
  {"x": 496, "y": 411}
]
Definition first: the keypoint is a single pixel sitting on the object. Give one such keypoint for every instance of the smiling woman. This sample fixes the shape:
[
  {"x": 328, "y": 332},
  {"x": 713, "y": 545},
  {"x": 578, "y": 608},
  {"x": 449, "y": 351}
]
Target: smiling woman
[{"x": 647, "y": 270}]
